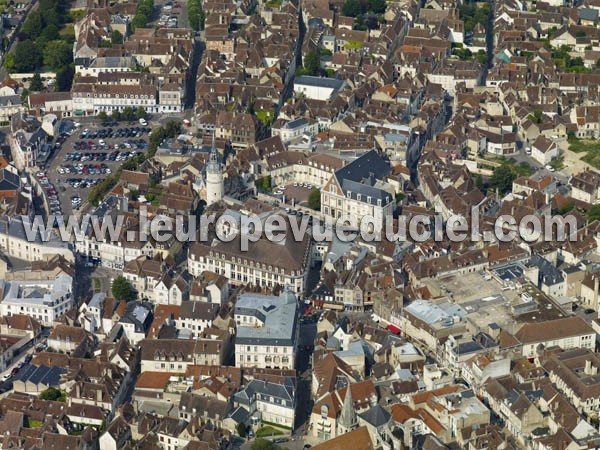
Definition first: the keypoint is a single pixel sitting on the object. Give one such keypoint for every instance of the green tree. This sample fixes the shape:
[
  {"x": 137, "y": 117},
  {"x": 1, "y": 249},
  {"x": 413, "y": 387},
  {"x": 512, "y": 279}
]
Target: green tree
[
  {"x": 140, "y": 113},
  {"x": 33, "y": 25},
  {"x": 58, "y": 54},
  {"x": 263, "y": 444},
  {"x": 502, "y": 179},
  {"x": 195, "y": 14},
  {"x": 172, "y": 128},
  {"x": 102, "y": 115},
  {"x": 128, "y": 113},
  {"x": 143, "y": 14},
  {"x": 115, "y": 115},
  {"x": 266, "y": 183},
  {"x": 116, "y": 37},
  {"x": 27, "y": 56},
  {"x": 567, "y": 207},
  {"x": 121, "y": 289},
  {"x": 64, "y": 78},
  {"x": 52, "y": 394},
  {"x": 536, "y": 116},
  {"x": 314, "y": 199},
  {"x": 241, "y": 429},
  {"x": 9, "y": 62},
  {"x": 139, "y": 21},
  {"x": 50, "y": 33},
  {"x": 594, "y": 213},
  {"x": 376, "y": 6},
  {"x": 312, "y": 63},
  {"x": 36, "y": 84},
  {"x": 352, "y": 8}
]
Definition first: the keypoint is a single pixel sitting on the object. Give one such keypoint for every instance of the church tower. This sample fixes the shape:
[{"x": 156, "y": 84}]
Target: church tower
[
  {"x": 214, "y": 177},
  {"x": 347, "y": 421}
]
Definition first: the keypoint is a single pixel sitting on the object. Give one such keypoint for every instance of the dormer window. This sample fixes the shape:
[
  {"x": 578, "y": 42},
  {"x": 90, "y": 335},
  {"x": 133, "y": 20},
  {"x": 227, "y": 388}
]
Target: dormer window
[{"x": 349, "y": 194}]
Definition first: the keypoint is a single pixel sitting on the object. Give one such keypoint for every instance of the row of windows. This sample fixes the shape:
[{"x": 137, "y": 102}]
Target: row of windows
[{"x": 267, "y": 349}]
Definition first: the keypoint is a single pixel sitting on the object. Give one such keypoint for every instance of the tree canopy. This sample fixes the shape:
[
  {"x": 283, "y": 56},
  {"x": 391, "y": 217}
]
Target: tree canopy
[
  {"x": 312, "y": 64},
  {"x": 352, "y": 8},
  {"x": 594, "y": 213},
  {"x": 502, "y": 179},
  {"x": 36, "y": 84},
  {"x": 142, "y": 14},
  {"x": 27, "y": 56},
  {"x": 58, "y": 54},
  {"x": 121, "y": 289},
  {"x": 53, "y": 394},
  {"x": 116, "y": 37},
  {"x": 314, "y": 199}
]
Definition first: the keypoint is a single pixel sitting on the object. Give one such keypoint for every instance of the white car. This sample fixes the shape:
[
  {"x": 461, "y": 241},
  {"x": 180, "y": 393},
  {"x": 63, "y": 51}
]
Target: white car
[{"x": 549, "y": 168}]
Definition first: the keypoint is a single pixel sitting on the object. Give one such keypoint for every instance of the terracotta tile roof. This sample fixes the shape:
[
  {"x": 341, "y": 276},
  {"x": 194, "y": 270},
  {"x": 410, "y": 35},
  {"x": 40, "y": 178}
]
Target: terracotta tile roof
[
  {"x": 424, "y": 397},
  {"x": 358, "y": 439},
  {"x": 153, "y": 380},
  {"x": 402, "y": 413}
]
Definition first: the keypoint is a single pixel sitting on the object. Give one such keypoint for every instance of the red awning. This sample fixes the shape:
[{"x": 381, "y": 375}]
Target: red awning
[{"x": 394, "y": 329}]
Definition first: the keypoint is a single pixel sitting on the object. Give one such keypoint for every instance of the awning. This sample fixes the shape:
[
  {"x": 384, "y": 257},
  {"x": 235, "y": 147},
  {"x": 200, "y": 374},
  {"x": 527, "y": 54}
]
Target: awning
[{"x": 394, "y": 329}]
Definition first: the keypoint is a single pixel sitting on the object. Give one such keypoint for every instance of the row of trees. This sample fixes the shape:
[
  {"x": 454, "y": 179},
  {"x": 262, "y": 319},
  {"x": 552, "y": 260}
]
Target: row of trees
[
  {"x": 128, "y": 113},
  {"x": 195, "y": 15},
  {"x": 143, "y": 14}
]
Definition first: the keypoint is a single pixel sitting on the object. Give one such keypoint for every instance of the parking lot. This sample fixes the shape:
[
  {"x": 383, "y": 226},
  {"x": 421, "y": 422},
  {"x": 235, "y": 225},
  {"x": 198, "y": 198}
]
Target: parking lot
[
  {"x": 172, "y": 14},
  {"x": 86, "y": 157}
]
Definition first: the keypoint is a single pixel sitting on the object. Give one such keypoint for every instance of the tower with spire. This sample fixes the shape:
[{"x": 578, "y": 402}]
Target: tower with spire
[
  {"x": 347, "y": 421},
  {"x": 214, "y": 176}
]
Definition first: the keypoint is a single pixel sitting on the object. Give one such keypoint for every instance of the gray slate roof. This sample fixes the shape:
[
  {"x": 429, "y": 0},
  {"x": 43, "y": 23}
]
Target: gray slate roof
[{"x": 376, "y": 416}]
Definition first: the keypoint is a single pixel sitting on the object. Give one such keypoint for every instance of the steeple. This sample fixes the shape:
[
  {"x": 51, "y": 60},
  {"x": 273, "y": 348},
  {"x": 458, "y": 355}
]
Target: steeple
[
  {"x": 213, "y": 165},
  {"x": 214, "y": 176},
  {"x": 348, "y": 419}
]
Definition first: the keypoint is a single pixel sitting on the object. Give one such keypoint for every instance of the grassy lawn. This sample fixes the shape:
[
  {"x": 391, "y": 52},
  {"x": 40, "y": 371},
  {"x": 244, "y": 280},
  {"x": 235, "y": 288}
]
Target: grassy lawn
[
  {"x": 521, "y": 169},
  {"x": 265, "y": 116},
  {"x": 30, "y": 423},
  {"x": 591, "y": 148},
  {"x": 267, "y": 432}
]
